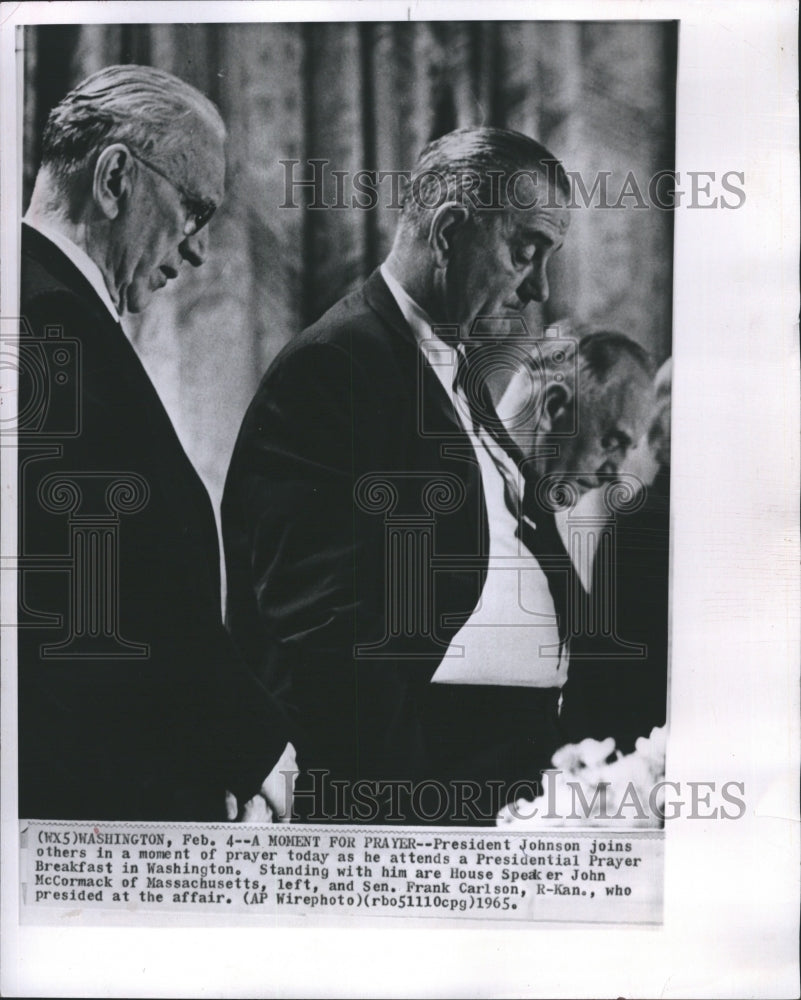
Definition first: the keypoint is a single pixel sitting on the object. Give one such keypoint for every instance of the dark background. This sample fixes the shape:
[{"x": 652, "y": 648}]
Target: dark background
[{"x": 600, "y": 95}]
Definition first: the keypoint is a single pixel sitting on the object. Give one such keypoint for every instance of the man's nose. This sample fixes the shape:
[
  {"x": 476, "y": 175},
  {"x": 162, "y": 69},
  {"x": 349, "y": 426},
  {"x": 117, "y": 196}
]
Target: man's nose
[
  {"x": 535, "y": 286},
  {"x": 613, "y": 460},
  {"x": 195, "y": 248}
]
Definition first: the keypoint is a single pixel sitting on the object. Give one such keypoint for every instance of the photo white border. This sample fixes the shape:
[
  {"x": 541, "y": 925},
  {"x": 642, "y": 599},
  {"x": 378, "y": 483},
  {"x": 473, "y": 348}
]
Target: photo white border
[{"x": 731, "y": 888}]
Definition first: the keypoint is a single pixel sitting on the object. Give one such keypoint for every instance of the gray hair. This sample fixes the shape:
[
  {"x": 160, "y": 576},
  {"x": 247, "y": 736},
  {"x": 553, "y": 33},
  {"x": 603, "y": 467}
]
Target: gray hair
[
  {"x": 148, "y": 109},
  {"x": 477, "y": 168},
  {"x": 589, "y": 367},
  {"x": 659, "y": 429},
  {"x": 602, "y": 369},
  {"x": 600, "y": 353},
  {"x": 589, "y": 363}
]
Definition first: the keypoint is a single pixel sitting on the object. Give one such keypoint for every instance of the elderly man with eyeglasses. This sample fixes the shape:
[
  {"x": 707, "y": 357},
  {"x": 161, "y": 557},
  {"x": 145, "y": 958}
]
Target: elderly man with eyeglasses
[{"x": 133, "y": 704}]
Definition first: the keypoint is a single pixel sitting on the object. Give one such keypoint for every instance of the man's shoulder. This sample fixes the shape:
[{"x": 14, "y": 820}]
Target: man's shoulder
[
  {"x": 361, "y": 325},
  {"x": 50, "y": 287},
  {"x": 38, "y": 279},
  {"x": 348, "y": 323},
  {"x": 353, "y": 356}
]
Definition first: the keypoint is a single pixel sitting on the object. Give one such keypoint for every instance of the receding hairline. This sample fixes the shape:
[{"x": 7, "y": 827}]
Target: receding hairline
[
  {"x": 131, "y": 75},
  {"x": 123, "y": 102},
  {"x": 475, "y": 167},
  {"x": 488, "y": 148},
  {"x": 602, "y": 351}
]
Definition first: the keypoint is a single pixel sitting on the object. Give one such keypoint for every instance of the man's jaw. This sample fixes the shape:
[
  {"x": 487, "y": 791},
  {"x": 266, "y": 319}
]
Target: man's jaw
[
  {"x": 594, "y": 480},
  {"x": 131, "y": 297},
  {"x": 586, "y": 483}
]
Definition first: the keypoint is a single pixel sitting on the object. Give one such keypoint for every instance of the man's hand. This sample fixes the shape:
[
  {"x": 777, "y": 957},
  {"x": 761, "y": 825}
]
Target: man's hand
[
  {"x": 278, "y": 788},
  {"x": 273, "y": 804}
]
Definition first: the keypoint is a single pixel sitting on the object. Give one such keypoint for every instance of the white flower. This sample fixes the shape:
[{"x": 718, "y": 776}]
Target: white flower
[{"x": 581, "y": 771}]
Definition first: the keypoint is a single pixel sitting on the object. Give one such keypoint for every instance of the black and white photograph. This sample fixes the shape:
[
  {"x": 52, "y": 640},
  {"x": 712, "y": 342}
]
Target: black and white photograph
[
  {"x": 361, "y": 571},
  {"x": 404, "y": 620}
]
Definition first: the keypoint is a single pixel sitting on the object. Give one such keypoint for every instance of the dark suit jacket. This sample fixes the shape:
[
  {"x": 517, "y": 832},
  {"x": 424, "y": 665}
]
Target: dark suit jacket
[
  {"x": 608, "y": 694},
  {"x": 133, "y": 702},
  {"x": 353, "y": 515}
]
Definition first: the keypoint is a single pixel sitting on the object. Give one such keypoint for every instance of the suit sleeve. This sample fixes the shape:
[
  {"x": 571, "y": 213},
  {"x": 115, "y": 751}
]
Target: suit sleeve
[{"x": 315, "y": 557}]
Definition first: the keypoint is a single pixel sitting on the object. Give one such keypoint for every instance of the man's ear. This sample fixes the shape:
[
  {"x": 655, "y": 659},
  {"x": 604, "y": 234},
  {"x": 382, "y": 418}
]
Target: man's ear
[
  {"x": 448, "y": 220},
  {"x": 112, "y": 180},
  {"x": 557, "y": 400}
]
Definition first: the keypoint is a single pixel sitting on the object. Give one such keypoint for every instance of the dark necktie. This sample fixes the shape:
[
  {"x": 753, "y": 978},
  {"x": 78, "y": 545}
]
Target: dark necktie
[
  {"x": 475, "y": 392},
  {"x": 536, "y": 525}
]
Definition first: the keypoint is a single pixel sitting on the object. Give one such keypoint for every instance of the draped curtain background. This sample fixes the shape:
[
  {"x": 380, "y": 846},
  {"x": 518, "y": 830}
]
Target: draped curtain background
[{"x": 599, "y": 95}]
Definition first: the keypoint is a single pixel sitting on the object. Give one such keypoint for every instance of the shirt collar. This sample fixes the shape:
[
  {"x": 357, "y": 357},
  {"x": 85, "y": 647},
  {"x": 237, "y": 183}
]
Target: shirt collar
[
  {"x": 81, "y": 260},
  {"x": 443, "y": 359},
  {"x": 428, "y": 342}
]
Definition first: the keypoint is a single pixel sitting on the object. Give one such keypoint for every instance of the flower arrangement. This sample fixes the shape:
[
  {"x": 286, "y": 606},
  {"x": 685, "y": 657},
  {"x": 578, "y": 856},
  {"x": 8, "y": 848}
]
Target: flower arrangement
[{"x": 593, "y": 784}]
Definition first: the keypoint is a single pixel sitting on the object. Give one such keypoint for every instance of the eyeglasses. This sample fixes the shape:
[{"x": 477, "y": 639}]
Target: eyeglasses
[{"x": 199, "y": 210}]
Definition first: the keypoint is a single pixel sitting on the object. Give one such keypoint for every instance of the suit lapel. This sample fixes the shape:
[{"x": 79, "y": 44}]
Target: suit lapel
[
  {"x": 442, "y": 437},
  {"x": 434, "y": 405},
  {"x": 111, "y": 362}
]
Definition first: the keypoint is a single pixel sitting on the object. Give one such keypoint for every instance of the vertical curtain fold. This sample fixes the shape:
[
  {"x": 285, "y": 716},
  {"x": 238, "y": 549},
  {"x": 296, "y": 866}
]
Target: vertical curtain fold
[{"x": 368, "y": 97}]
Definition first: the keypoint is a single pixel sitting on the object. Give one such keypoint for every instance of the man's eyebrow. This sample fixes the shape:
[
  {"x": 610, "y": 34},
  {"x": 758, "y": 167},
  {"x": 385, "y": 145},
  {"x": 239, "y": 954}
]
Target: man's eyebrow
[
  {"x": 534, "y": 235},
  {"x": 622, "y": 436}
]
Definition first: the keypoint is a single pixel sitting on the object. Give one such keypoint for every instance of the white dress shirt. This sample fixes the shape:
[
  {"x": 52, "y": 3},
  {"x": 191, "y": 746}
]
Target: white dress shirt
[
  {"x": 512, "y": 637},
  {"x": 81, "y": 260}
]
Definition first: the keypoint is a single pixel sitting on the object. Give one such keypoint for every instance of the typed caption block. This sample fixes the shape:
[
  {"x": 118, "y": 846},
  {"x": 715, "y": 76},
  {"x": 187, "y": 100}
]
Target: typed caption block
[{"x": 550, "y": 875}]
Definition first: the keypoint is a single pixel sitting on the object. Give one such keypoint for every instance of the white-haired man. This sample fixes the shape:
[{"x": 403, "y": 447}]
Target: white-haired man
[{"x": 133, "y": 703}]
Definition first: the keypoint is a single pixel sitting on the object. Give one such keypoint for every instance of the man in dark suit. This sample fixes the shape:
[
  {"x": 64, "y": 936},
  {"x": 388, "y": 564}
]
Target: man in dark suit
[
  {"x": 354, "y": 516},
  {"x": 133, "y": 702}
]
